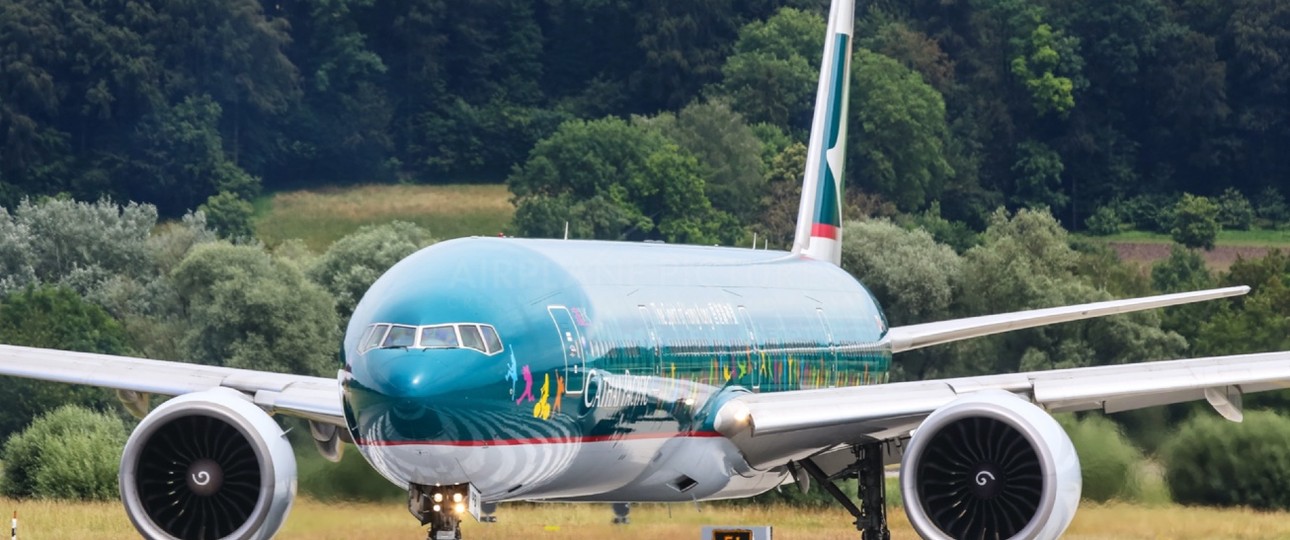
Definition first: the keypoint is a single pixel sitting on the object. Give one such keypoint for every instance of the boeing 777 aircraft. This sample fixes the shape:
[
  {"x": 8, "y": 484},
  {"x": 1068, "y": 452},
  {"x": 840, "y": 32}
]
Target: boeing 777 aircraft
[{"x": 486, "y": 370}]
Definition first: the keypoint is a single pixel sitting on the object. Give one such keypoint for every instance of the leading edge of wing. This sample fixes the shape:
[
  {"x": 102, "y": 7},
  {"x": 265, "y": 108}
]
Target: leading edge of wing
[
  {"x": 916, "y": 336},
  {"x": 315, "y": 398}
]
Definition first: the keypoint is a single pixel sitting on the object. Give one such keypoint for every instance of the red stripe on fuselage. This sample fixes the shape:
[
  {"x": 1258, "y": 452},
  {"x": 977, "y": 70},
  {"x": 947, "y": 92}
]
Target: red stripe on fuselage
[
  {"x": 545, "y": 440},
  {"x": 824, "y": 230}
]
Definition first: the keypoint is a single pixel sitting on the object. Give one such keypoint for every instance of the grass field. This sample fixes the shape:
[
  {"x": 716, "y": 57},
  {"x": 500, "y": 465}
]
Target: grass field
[
  {"x": 1253, "y": 238},
  {"x": 321, "y": 217},
  {"x": 316, "y": 520}
]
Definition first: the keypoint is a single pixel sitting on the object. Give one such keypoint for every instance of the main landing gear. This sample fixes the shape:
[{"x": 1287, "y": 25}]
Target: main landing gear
[
  {"x": 622, "y": 511},
  {"x": 442, "y": 508},
  {"x": 871, "y": 515}
]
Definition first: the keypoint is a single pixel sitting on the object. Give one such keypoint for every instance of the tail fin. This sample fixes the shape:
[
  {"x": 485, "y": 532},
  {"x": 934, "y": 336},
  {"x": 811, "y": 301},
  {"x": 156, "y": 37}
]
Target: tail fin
[{"x": 819, "y": 218}]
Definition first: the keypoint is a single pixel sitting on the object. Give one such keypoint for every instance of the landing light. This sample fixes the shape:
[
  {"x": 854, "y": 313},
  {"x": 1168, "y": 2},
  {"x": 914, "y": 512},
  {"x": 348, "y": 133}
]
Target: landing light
[
  {"x": 438, "y": 497},
  {"x": 437, "y": 508},
  {"x": 456, "y": 497},
  {"x": 461, "y": 508}
]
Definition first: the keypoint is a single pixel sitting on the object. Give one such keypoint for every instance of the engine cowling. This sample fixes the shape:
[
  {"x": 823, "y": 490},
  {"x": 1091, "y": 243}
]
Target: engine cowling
[
  {"x": 208, "y": 465},
  {"x": 990, "y": 465}
]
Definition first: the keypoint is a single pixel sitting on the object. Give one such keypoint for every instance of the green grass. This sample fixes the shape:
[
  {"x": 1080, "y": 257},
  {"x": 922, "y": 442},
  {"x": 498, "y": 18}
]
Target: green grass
[
  {"x": 355, "y": 521},
  {"x": 1251, "y": 238},
  {"x": 320, "y": 217}
]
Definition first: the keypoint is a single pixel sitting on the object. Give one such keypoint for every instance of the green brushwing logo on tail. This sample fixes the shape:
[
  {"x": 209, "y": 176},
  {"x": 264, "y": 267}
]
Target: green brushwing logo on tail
[{"x": 828, "y": 202}]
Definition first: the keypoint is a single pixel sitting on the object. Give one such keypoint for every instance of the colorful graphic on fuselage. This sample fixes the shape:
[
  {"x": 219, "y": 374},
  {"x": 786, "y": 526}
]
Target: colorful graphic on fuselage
[{"x": 612, "y": 341}]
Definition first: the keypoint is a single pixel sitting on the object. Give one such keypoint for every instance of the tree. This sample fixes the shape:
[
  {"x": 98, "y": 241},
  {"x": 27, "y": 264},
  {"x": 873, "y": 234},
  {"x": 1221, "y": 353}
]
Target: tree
[
  {"x": 81, "y": 244},
  {"x": 771, "y": 75},
  {"x": 354, "y": 262},
  {"x": 53, "y": 317},
  {"x": 1038, "y": 171},
  {"x": 1234, "y": 210},
  {"x": 229, "y": 215},
  {"x": 778, "y": 222},
  {"x": 728, "y": 152},
  {"x": 1037, "y": 66},
  {"x": 898, "y": 137},
  {"x": 610, "y": 180},
  {"x": 1195, "y": 222},
  {"x": 912, "y": 275},
  {"x": 181, "y": 158},
  {"x": 247, "y": 310}
]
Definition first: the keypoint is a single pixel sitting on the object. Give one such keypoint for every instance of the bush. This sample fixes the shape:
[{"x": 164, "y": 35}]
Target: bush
[
  {"x": 70, "y": 453},
  {"x": 1109, "y": 463},
  {"x": 229, "y": 215},
  {"x": 1195, "y": 222},
  {"x": 1272, "y": 206},
  {"x": 1234, "y": 210},
  {"x": 1104, "y": 222},
  {"x": 1214, "y": 462},
  {"x": 350, "y": 480},
  {"x": 1151, "y": 212}
]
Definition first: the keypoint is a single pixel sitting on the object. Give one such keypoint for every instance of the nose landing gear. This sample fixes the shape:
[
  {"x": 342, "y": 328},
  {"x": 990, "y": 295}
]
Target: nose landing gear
[{"x": 443, "y": 508}]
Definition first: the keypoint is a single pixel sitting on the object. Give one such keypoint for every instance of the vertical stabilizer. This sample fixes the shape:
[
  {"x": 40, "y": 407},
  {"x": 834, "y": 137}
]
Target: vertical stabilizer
[{"x": 819, "y": 219}]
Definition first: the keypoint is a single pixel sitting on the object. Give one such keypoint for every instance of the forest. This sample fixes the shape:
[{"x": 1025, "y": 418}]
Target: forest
[{"x": 965, "y": 104}]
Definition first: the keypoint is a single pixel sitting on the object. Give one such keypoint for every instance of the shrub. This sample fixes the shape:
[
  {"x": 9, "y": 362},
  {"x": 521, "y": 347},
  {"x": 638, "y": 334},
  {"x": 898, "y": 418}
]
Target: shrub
[
  {"x": 1214, "y": 462},
  {"x": 1272, "y": 206},
  {"x": 1104, "y": 222},
  {"x": 69, "y": 453},
  {"x": 229, "y": 215},
  {"x": 1195, "y": 222},
  {"x": 1151, "y": 212},
  {"x": 1234, "y": 210},
  {"x": 1109, "y": 463}
]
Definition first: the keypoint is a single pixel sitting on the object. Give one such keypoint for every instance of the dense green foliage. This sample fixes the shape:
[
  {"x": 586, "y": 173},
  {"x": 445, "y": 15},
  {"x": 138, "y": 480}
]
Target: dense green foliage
[
  {"x": 1019, "y": 102},
  {"x": 1213, "y": 461},
  {"x": 1109, "y": 463},
  {"x": 68, "y": 453},
  {"x": 354, "y": 262},
  {"x": 54, "y": 317}
]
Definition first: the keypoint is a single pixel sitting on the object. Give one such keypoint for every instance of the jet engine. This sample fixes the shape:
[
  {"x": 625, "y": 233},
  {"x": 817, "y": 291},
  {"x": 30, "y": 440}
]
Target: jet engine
[
  {"x": 990, "y": 465},
  {"x": 208, "y": 465}
]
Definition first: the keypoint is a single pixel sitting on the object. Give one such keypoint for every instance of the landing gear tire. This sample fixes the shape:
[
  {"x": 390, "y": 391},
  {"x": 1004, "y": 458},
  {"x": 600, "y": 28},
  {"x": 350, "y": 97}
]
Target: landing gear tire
[{"x": 622, "y": 512}]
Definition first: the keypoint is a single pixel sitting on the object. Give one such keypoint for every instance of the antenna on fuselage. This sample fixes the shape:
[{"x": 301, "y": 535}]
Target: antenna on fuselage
[
  {"x": 819, "y": 217},
  {"x": 566, "y": 230}
]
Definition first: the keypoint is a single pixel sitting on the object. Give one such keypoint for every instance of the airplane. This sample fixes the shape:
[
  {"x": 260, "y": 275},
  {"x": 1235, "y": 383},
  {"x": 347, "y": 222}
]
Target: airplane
[{"x": 485, "y": 370}]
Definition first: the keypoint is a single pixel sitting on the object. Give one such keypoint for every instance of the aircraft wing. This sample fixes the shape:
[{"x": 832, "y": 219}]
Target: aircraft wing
[
  {"x": 772, "y": 427},
  {"x": 314, "y": 398},
  {"x": 906, "y": 338}
]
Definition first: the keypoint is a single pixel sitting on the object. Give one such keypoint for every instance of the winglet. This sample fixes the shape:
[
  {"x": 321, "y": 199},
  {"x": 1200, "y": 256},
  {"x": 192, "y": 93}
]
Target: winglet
[{"x": 819, "y": 218}]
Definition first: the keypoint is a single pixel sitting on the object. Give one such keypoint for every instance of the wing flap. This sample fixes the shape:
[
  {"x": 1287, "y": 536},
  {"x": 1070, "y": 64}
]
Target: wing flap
[
  {"x": 316, "y": 398},
  {"x": 917, "y": 336}
]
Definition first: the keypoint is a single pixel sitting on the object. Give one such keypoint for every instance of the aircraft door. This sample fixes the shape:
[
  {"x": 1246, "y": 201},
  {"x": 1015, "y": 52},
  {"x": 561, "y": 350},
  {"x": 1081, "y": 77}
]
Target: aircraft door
[{"x": 575, "y": 362}]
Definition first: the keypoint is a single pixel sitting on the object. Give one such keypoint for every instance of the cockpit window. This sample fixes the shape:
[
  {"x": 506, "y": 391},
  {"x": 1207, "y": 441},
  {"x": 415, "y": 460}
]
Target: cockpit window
[
  {"x": 400, "y": 336},
  {"x": 375, "y": 337},
  {"x": 471, "y": 339},
  {"x": 438, "y": 336},
  {"x": 479, "y": 337},
  {"x": 490, "y": 338}
]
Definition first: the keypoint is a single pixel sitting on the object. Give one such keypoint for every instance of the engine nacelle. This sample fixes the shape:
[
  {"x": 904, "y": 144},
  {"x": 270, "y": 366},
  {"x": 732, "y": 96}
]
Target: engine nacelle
[
  {"x": 208, "y": 465},
  {"x": 990, "y": 465}
]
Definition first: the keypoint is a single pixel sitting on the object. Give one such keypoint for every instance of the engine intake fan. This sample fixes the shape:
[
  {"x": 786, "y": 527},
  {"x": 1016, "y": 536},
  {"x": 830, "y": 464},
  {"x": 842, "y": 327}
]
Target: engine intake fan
[
  {"x": 208, "y": 465},
  {"x": 990, "y": 465}
]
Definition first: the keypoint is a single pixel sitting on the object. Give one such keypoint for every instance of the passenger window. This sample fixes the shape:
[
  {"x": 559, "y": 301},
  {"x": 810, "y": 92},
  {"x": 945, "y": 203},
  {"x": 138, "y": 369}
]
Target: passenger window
[
  {"x": 374, "y": 338},
  {"x": 470, "y": 337},
  {"x": 490, "y": 338},
  {"x": 400, "y": 336},
  {"x": 438, "y": 337}
]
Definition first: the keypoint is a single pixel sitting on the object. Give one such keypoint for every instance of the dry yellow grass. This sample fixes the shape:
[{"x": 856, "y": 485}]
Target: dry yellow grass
[
  {"x": 321, "y": 217},
  {"x": 345, "y": 521}
]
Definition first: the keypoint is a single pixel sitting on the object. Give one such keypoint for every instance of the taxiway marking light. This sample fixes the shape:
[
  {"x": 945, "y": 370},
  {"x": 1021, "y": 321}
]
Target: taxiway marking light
[
  {"x": 456, "y": 497},
  {"x": 438, "y": 497}
]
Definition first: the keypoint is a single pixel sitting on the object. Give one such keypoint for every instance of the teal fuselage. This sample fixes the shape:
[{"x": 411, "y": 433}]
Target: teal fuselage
[{"x": 607, "y": 349}]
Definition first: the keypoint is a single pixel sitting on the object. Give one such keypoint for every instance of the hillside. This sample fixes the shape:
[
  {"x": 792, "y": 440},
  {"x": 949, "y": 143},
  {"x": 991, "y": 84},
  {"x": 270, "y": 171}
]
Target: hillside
[{"x": 320, "y": 217}]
